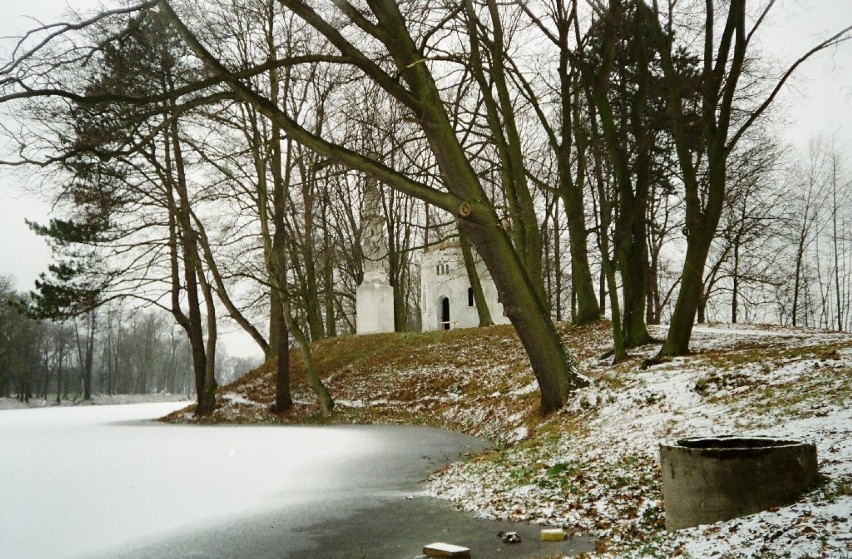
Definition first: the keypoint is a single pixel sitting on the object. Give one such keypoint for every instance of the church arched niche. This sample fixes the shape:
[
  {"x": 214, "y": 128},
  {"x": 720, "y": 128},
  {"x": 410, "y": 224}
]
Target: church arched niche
[{"x": 443, "y": 313}]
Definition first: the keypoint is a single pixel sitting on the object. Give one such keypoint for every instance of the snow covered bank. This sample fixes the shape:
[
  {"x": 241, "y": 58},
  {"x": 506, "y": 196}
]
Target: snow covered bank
[
  {"x": 594, "y": 466},
  {"x": 98, "y": 400}
]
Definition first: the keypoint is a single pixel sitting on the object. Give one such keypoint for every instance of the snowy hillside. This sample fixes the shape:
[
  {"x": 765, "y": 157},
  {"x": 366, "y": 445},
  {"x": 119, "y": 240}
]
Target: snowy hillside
[
  {"x": 603, "y": 475},
  {"x": 594, "y": 467}
]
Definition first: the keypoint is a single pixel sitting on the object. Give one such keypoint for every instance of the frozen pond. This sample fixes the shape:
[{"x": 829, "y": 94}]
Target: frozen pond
[{"x": 102, "y": 481}]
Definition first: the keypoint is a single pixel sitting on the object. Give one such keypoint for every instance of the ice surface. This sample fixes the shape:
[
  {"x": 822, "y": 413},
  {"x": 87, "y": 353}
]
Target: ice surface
[{"x": 82, "y": 479}]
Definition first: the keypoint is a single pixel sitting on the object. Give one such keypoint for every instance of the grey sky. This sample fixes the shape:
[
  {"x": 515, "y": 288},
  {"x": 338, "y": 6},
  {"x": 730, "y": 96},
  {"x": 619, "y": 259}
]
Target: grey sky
[{"x": 819, "y": 102}]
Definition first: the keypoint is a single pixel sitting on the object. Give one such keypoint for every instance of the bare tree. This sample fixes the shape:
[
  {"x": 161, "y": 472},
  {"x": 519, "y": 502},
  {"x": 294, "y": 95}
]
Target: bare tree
[
  {"x": 705, "y": 135},
  {"x": 744, "y": 257},
  {"x": 465, "y": 196},
  {"x": 128, "y": 169},
  {"x": 559, "y": 24}
]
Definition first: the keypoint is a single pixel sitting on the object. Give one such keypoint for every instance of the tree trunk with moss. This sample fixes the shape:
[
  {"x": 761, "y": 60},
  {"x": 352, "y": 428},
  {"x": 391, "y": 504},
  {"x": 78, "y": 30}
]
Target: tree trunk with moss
[
  {"x": 324, "y": 398},
  {"x": 482, "y": 310},
  {"x": 279, "y": 347}
]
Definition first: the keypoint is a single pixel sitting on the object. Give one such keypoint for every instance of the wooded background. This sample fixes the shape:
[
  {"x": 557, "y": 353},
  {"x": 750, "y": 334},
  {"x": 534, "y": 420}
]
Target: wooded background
[{"x": 208, "y": 163}]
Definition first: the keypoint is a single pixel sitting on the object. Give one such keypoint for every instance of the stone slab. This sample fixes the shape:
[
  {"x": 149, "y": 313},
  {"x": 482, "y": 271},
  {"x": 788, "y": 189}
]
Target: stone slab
[{"x": 441, "y": 549}]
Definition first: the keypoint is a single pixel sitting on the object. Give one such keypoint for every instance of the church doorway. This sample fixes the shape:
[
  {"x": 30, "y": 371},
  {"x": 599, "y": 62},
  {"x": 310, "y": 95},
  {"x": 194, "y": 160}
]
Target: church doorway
[{"x": 444, "y": 323}]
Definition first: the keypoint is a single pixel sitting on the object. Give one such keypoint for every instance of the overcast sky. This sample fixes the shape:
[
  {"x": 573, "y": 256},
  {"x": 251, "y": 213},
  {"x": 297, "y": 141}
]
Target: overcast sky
[{"x": 818, "y": 103}]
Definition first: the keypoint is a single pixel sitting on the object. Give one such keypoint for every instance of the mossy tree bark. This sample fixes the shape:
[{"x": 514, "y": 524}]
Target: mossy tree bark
[
  {"x": 279, "y": 347},
  {"x": 617, "y": 78},
  {"x": 277, "y": 268},
  {"x": 482, "y": 310},
  {"x": 566, "y": 140},
  {"x": 571, "y": 186},
  {"x": 704, "y": 188},
  {"x": 555, "y": 369},
  {"x": 272, "y": 210},
  {"x": 488, "y": 68},
  {"x": 608, "y": 264},
  {"x": 270, "y": 214}
]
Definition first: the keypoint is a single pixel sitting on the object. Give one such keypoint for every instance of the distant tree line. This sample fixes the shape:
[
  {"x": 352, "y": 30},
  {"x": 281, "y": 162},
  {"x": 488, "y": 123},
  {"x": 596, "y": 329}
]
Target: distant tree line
[
  {"x": 133, "y": 352},
  {"x": 603, "y": 158}
]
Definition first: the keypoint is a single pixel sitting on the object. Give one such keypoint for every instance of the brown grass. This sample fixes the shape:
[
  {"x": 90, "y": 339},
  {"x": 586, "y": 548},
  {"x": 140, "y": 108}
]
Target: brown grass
[
  {"x": 473, "y": 380},
  {"x": 478, "y": 380}
]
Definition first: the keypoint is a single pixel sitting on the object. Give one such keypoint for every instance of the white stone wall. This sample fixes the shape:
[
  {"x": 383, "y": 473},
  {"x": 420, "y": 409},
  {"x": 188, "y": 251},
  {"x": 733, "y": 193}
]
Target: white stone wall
[
  {"x": 373, "y": 307},
  {"x": 443, "y": 276}
]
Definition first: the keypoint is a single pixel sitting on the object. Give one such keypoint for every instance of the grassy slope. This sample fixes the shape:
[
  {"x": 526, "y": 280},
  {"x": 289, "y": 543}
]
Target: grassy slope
[
  {"x": 473, "y": 380},
  {"x": 593, "y": 466}
]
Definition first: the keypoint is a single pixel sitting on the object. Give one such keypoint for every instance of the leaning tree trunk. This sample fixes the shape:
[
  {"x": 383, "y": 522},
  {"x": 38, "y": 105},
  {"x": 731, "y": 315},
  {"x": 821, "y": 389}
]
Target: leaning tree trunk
[
  {"x": 326, "y": 402},
  {"x": 521, "y": 292},
  {"x": 554, "y": 367},
  {"x": 478, "y": 296}
]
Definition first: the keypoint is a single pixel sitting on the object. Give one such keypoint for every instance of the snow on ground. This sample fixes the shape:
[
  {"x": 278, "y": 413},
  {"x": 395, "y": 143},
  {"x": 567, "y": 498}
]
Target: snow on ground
[
  {"x": 594, "y": 466},
  {"x": 98, "y": 399}
]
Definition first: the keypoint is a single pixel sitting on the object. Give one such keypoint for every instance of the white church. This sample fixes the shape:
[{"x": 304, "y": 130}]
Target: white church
[{"x": 446, "y": 296}]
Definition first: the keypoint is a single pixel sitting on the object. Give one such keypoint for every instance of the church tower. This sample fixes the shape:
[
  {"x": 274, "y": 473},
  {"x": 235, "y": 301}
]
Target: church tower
[{"x": 446, "y": 296}]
